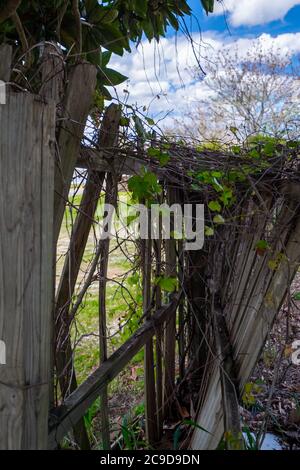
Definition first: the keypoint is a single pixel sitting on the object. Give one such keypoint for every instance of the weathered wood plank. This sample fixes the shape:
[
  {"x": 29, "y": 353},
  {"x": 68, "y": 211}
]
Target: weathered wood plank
[
  {"x": 159, "y": 346},
  {"x": 84, "y": 220},
  {"x": 111, "y": 198},
  {"x": 97, "y": 160},
  {"x": 5, "y": 62},
  {"x": 67, "y": 415},
  {"x": 229, "y": 386},
  {"x": 76, "y": 106},
  {"x": 26, "y": 215},
  {"x": 253, "y": 321},
  {"x": 150, "y": 391},
  {"x": 170, "y": 327}
]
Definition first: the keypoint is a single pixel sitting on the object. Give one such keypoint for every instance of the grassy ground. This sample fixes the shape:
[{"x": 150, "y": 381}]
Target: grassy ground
[{"x": 123, "y": 315}]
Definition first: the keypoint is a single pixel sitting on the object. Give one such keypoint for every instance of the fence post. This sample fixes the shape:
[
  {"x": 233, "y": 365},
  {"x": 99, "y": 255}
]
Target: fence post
[
  {"x": 5, "y": 62},
  {"x": 84, "y": 221},
  {"x": 181, "y": 320},
  {"x": 81, "y": 83},
  {"x": 111, "y": 198},
  {"x": 170, "y": 327},
  {"x": 26, "y": 225},
  {"x": 150, "y": 395},
  {"x": 159, "y": 345}
]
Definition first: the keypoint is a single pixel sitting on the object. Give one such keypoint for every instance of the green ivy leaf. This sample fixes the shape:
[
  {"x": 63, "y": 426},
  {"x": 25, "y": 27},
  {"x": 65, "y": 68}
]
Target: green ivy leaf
[
  {"x": 261, "y": 247},
  {"x": 227, "y": 196},
  {"x": 167, "y": 284},
  {"x": 218, "y": 219},
  {"x": 208, "y": 231},
  {"x": 215, "y": 206},
  {"x": 269, "y": 149},
  {"x": 150, "y": 121},
  {"x": 145, "y": 186},
  {"x": 130, "y": 219},
  {"x": 124, "y": 121},
  {"x": 162, "y": 157},
  {"x": 296, "y": 296}
]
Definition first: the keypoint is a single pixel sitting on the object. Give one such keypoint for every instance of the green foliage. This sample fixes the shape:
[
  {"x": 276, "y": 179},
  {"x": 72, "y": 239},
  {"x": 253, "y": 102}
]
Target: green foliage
[
  {"x": 249, "y": 394},
  {"x": 167, "y": 284},
  {"x": 250, "y": 441},
  {"x": 178, "y": 431},
  {"x": 139, "y": 409},
  {"x": 296, "y": 296},
  {"x": 128, "y": 434},
  {"x": 111, "y": 77},
  {"x": 208, "y": 231},
  {"x": 215, "y": 206},
  {"x": 161, "y": 156},
  {"x": 144, "y": 187},
  {"x": 258, "y": 154},
  {"x": 261, "y": 247},
  {"x": 131, "y": 433},
  {"x": 90, "y": 414},
  {"x": 232, "y": 441},
  {"x": 219, "y": 219},
  {"x": 194, "y": 424},
  {"x": 208, "y": 5},
  {"x": 91, "y": 29}
]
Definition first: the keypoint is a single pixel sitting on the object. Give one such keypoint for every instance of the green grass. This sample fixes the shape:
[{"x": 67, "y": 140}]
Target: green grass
[{"x": 120, "y": 310}]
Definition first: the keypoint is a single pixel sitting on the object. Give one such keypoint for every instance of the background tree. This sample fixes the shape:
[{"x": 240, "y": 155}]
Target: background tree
[{"x": 245, "y": 96}]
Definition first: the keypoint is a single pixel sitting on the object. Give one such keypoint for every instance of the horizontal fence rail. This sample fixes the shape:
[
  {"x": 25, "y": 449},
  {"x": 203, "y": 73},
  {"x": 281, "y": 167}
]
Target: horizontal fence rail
[{"x": 65, "y": 417}]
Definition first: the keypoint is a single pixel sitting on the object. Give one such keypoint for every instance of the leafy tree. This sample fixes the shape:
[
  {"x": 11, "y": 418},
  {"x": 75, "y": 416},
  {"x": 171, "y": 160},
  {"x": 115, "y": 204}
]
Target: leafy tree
[{"x": 246, "y": 96}]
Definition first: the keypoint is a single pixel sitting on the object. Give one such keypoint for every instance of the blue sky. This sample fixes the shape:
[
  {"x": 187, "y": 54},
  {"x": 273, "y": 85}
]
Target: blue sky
[
  {"x": 160, "y": 75},
  {"x": 288, "y": 23}
]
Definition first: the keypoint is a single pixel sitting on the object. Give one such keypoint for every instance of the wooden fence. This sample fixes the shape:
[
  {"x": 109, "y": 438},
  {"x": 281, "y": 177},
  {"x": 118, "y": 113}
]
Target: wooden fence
[
  {"x": 203, "y": 340},
  {"x": 26, "y": 250}
]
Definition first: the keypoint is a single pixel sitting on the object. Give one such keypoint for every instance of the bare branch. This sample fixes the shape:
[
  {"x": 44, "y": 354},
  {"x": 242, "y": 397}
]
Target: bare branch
[{"x": 9, "y": 9}]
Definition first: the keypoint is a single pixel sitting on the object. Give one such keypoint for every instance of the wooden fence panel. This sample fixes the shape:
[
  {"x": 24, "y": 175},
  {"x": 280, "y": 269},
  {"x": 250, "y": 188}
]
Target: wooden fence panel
[
  {"x": 26, "y": 227},
  {"x": 74, "y": 407},
  {"x": 255, "y": 319}
]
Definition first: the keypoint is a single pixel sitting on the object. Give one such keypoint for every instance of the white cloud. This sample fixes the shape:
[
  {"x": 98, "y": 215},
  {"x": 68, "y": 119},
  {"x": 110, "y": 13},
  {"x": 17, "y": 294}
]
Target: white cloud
[
  {"x": 164, "y": 70},
  {"x": 255, "y": 12}
]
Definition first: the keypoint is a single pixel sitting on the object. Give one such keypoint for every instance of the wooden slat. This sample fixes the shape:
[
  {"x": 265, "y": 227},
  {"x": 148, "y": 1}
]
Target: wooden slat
[
  {"x": 111, "y": 196},
  {"x": 268, "y": 290},
  {"x": 26, "y": 214},
  {"x": 150, "y": 390},
  {"x": 98, "y": 160},
  {"x": 181, "y": 323},
  {"x": 74, "y": 407},
  {"x": 159, "y": 345},
  {"x": 170, "y": 327},
  {"x": 84, "y": 220},
  {"x": 229, "y": 388},
  {"x": 5, "y": 62},
  {"x": 83, "y": 223},
  {"x": 52, "y": 73},
  {"x": 76, "y": 106}
]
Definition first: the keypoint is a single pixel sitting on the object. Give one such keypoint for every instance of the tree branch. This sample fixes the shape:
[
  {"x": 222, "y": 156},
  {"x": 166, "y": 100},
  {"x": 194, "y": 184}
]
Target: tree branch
[
  {"x": 76, "y": 12},
  {"x": 20, "y": 30},
  {"x": 9, "y": 9}
]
